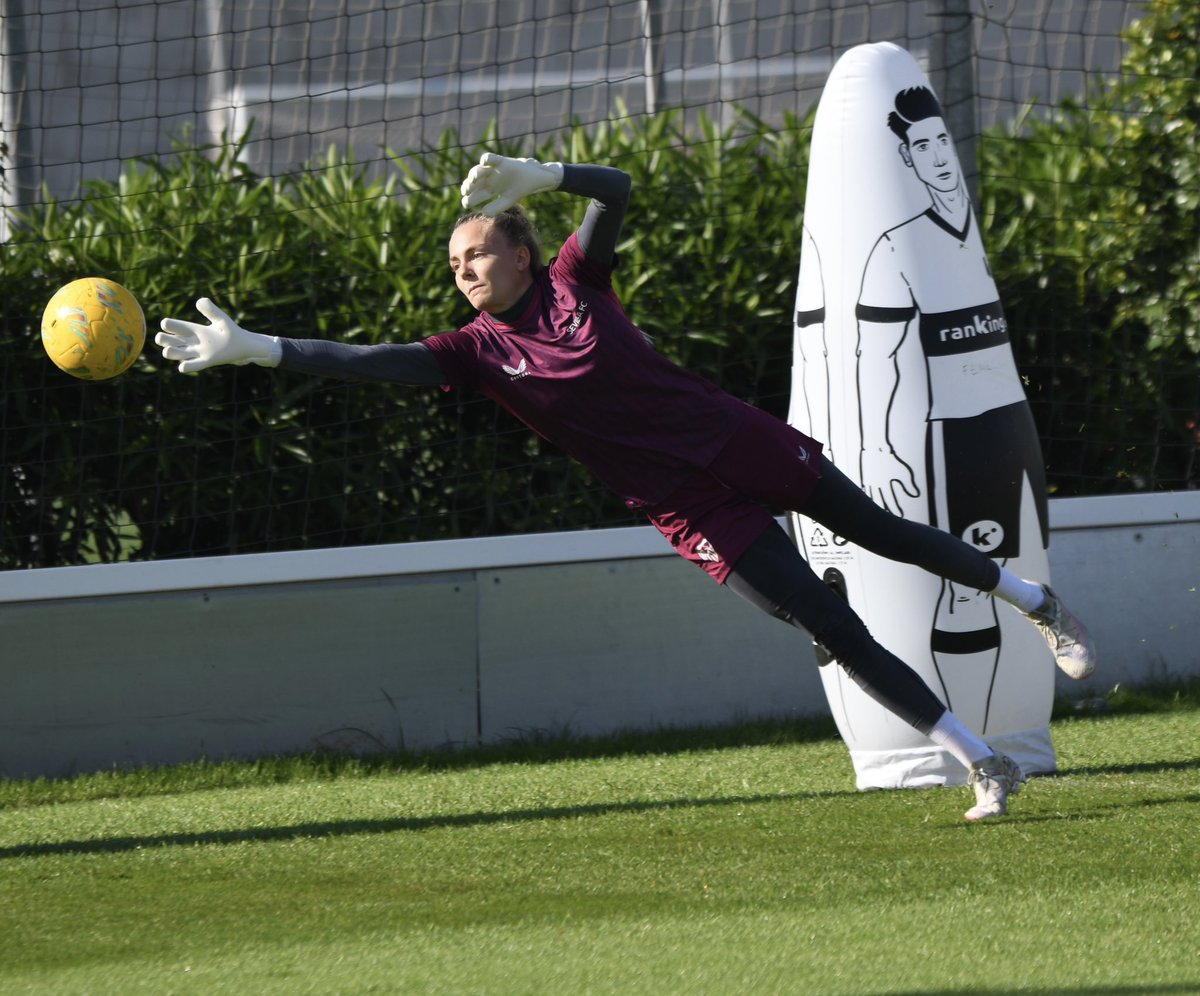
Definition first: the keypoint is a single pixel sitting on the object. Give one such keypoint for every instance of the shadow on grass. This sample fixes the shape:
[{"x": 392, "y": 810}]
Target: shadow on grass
[
  {"x": 369, "y": 756},
  {"x": 1091, "y": 813},
  {"x": 1141, "y": 768},
  {"x": 366, "y": 755},
  {"x": 404, "y": 824},
  {"x": 538, "y": 745}
]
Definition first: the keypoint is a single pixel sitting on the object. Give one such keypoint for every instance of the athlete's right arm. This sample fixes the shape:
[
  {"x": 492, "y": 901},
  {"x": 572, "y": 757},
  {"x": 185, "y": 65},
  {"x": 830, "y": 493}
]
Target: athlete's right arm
[
  {"x": 411, "y": 363},
  {"x": 498, "y": 182},
  {"x": 601, "y": 226},
  {"x": 223, "y": 342}
]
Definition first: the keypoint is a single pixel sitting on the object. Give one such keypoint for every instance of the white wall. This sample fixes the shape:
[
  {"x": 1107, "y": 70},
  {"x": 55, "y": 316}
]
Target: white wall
[
  {"x": 469, "y": 641},
  {"x": 1130, "y": 567}
]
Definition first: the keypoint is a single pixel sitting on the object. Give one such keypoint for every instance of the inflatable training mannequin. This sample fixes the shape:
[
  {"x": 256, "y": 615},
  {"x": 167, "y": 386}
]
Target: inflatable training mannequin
[{"x": 903, "y": 364}]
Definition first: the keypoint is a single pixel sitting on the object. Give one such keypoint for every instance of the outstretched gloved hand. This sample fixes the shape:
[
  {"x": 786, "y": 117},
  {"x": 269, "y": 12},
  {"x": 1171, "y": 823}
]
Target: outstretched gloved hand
[
  {"x": 198, "y": 347},
  {"x": 496, "y": 183}
]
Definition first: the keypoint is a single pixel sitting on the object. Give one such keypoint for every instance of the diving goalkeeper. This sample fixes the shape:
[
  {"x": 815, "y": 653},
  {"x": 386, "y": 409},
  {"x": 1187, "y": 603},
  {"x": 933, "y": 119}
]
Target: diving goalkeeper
[{"x": 552, "y": 345}]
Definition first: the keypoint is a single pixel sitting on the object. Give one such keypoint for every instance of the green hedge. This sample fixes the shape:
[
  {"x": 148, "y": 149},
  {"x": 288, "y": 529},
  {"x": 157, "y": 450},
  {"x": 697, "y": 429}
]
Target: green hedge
[
  {"x": 1090, "y": 218},
  {"x": 245, "y": 459}
]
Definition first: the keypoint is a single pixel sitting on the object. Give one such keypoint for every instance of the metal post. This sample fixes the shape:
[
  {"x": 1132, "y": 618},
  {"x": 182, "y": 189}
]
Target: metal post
[
  {"x": 651, "y": 33},
  {"x": 21, "y": 176},
  {"x": 220, "y": 120},
  {"x": 952, "y": 72},
  {"x": 726, "y": 87}
]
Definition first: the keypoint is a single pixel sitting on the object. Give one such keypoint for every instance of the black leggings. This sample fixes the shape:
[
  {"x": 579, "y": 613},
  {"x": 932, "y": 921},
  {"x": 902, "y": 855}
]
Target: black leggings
[{"x": 773, "y": 575}]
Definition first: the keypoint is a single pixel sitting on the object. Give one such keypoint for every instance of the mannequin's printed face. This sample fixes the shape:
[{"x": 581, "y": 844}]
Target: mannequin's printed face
[{"x": 930, "y": 152}]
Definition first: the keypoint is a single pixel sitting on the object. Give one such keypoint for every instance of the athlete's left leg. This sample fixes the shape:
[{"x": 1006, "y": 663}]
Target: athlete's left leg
[
  {"x": 773, "y": 576},
  {"x": 844, "y": 508}
]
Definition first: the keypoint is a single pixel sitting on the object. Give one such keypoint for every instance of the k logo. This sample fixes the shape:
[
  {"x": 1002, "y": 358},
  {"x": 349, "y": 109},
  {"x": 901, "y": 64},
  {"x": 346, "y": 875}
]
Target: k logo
[{"x": 985, "y": 535}]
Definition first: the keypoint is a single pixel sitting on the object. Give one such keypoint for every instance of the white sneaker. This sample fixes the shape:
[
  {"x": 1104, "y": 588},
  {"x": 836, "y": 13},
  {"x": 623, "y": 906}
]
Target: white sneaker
[
  {"x": 1074, "y": 652},
  {"x": 994, "y": 780}
]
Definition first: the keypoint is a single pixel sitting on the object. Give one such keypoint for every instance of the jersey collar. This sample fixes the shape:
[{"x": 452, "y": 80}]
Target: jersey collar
[
  {"x": 943, "y": 224},
  {"x": 512, "y": 316}
]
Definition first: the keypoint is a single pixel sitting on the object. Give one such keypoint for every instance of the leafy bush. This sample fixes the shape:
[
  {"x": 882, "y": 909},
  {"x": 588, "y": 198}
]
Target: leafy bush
[
  {"x": 1093, "y": 217},
  {"x": 1090, "y": 218},
  {"x": 157, "y": 465}
]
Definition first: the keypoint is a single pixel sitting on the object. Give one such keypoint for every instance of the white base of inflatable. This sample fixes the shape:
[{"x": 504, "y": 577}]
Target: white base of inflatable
[{"x": 925, "y": 767}]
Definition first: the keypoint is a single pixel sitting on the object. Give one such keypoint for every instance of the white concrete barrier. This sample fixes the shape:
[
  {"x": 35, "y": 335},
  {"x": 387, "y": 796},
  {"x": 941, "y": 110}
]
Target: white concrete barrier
[
  {"x": 462, "y": 642},
  {"x": 1129, "y": 566}
]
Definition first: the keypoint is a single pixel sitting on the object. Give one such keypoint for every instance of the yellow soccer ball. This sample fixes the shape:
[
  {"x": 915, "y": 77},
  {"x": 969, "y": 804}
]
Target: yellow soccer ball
[{"x": 93, "y": 329}]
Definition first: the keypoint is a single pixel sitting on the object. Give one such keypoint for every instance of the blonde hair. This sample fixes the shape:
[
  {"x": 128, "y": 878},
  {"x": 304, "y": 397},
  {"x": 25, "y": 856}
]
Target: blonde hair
[{"x": 517, "y": 227}]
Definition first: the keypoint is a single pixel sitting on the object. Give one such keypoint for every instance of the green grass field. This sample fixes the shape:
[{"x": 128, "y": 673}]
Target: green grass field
[{"x": 707, "y": 862}]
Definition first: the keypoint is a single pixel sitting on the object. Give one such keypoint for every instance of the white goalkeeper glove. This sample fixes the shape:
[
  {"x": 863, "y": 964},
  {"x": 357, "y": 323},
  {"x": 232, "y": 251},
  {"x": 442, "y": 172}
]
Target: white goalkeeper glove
[
  {"x": 498, "y": 182},
  {"x": 198, "y": 347}
]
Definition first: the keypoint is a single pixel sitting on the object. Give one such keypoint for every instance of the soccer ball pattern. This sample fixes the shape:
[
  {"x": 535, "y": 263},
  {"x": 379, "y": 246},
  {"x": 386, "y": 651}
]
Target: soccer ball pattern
[{"x": 93, "y": 329}]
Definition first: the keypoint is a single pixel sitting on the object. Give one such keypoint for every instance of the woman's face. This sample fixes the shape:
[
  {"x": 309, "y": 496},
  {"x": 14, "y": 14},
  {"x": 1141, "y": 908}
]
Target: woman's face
[{"x": 490, "y": 271}]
